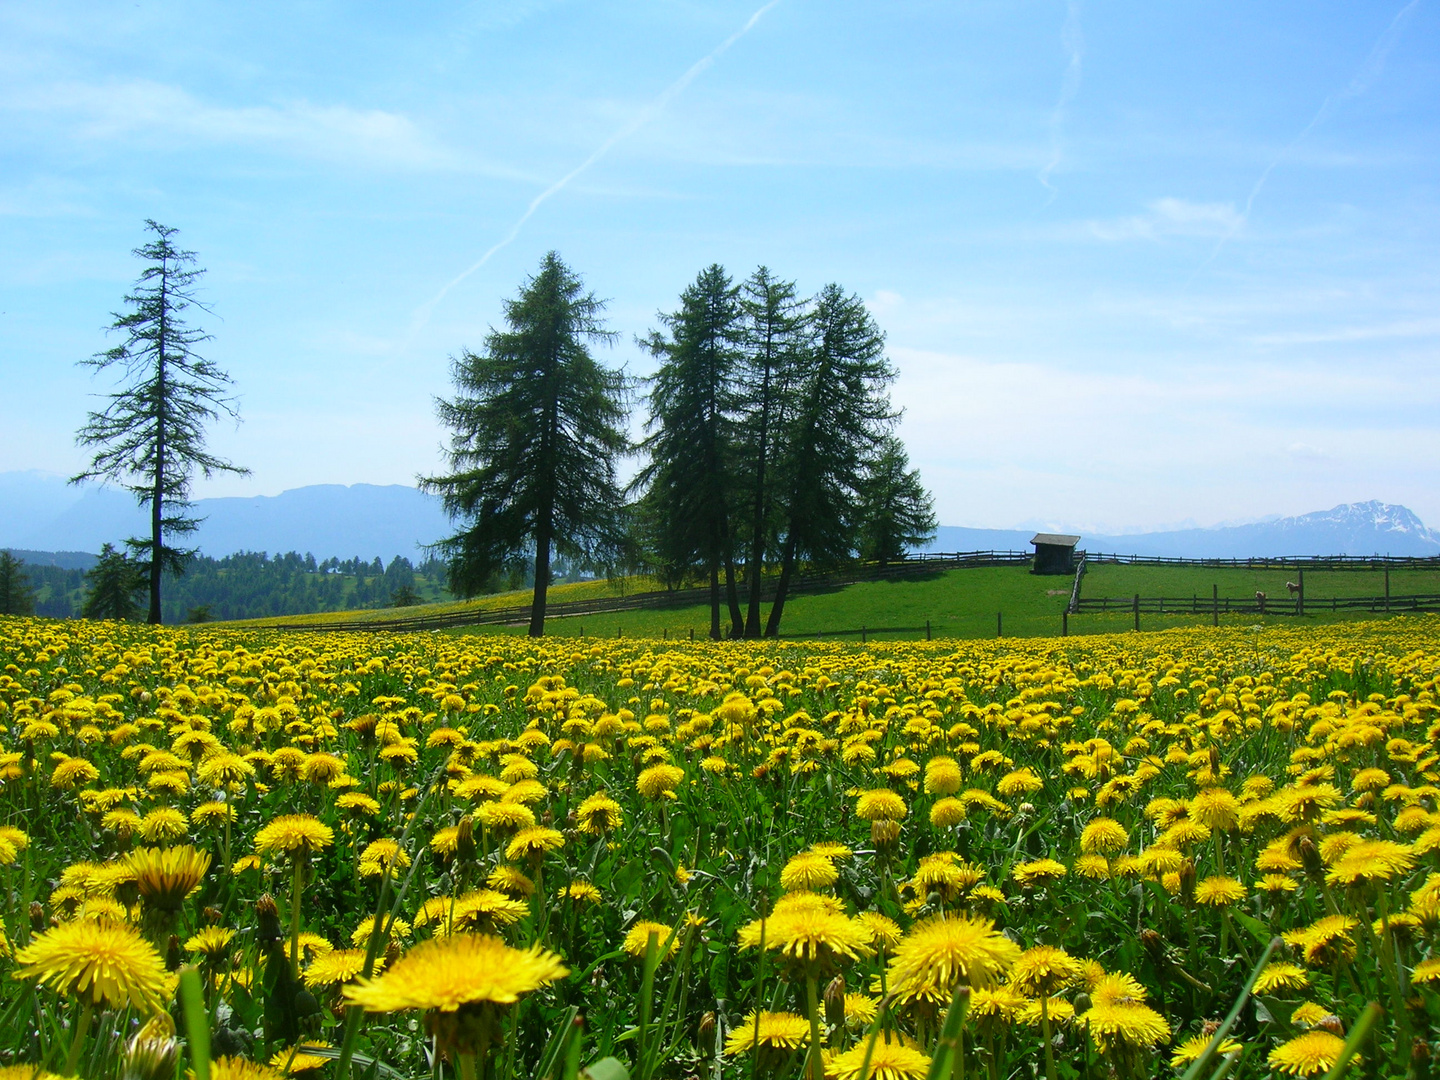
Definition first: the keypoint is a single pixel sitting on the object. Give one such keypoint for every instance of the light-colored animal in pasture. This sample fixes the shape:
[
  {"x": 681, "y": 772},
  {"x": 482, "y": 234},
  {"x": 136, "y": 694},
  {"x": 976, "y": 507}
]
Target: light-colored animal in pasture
[{"x": 1293, "y": 587}]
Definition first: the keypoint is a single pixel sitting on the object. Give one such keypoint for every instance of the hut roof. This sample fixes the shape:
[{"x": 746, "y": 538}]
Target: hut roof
[{"x": 1055, "y": 539}]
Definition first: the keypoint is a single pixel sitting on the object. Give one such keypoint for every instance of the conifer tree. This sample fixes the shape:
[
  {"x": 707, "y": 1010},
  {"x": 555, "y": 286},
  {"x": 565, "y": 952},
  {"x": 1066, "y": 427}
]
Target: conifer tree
[
  {"x": 896, "y": 512},
  {"x": 535, "y": 435},
  {"x": 151, "y": 435},
  {"x": 16, "y": 596},
  {"x": 841, "y": 412},
  {"x": 111, "y": 585},
  {"x": 774, "y": 322},
  {"x": 691, "y": 472}
]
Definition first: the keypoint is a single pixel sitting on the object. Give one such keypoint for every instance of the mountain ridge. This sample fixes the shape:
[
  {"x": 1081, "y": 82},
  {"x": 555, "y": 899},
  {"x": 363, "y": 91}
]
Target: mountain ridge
[{"x": 40, "y": 514}]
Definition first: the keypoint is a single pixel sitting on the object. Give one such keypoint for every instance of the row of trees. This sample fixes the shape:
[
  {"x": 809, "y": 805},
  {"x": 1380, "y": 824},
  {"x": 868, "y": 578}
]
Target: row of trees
[
  {"x": 770, "y": 442},
  {"x": 247, "y": 585},
  {"x": 769, "y": 439}
]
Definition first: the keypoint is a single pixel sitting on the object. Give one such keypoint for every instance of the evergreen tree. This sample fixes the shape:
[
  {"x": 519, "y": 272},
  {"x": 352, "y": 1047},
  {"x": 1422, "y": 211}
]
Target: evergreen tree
[
  {"x": 16, "y": 596},
  {"x": 151, "y": 435},
  {"x": 896, "y": 512},
  {"x": 774, "y": 345},
  {"x": 690, "y": 477},
  {"x": 111, "y": 585},
  {"x": 535, "y": 434},
  {"x": 841, "y": 411}
]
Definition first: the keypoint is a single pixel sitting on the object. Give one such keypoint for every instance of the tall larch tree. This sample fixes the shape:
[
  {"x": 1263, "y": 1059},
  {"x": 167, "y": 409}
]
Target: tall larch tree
[
  {"x": 774, "y": 340},
  {"x": 690, "y": 477},
  {"x": 842, "y": 411},
  {"x": 535, "y": 438},
  {"x": 150, "y": 437}
]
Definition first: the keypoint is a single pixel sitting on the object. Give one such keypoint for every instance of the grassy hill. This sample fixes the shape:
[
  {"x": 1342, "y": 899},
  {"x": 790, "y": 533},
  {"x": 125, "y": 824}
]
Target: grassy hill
[{"x": 957, "y": 603}]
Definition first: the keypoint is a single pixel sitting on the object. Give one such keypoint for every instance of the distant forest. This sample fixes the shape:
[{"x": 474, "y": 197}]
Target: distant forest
[{"x": 251, "y": 585}]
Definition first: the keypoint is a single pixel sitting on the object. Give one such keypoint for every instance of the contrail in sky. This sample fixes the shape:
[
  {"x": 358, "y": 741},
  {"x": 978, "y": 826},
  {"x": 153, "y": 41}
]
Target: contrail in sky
[
  {"x": 639, "y": 120},
  {"x": 1367, "y": 75},
  {"x": 1074, "y": 44}
]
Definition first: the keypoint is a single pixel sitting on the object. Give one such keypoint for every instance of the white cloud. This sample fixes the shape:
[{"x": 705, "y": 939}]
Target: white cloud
[
  {"x": 137, "y": 110},
  {"x": 1169, "y": 217}
]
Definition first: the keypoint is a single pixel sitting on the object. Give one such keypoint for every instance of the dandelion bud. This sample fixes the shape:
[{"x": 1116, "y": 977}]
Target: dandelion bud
[
  {"x": 835, "y": 1001},
  {"x": 1187, "y": 881},
  {"x": 267, "y": 916},
  {"x": 705, "y": 1034},
  {"x": 884, "y": 833},
  {"x": 150, "y": 1055},
  {"x": 465, "y": 839},
  {"x": 1082, "y": 1003},
  {"x": 37, "y": 915},
  {"x": 1215, "y": 761},
  {"x": 1153, "y": 942},
  {"x": 1333, "y": 1025},
  {"x": 1310, "y": 856},
  {"x": 213, "y": 915}
]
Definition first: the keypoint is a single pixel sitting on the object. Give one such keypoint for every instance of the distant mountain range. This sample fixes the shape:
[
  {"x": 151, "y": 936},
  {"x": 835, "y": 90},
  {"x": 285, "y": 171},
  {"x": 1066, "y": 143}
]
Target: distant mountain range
[
  {"x": 40, "y": 513},
  {"x": 1367, "y": 528}
]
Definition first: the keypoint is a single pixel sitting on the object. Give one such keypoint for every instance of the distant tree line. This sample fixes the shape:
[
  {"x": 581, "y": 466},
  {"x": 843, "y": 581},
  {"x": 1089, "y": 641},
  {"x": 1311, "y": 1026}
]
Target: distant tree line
[{"x": 244, "y": 586}]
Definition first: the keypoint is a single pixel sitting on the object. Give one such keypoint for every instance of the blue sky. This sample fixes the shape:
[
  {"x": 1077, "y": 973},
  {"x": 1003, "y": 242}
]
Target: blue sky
[{"x": 1138, "y": 264}]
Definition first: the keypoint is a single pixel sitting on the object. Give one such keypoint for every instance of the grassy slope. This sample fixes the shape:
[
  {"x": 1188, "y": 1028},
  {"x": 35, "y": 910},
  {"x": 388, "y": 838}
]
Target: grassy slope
[{"x": 957, "y": 603}]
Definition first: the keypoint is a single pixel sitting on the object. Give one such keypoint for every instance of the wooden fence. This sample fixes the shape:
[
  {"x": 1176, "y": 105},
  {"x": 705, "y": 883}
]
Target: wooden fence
[
  {"x": 1277, "y": 562},
  {"x": 1225, "y": 605}
]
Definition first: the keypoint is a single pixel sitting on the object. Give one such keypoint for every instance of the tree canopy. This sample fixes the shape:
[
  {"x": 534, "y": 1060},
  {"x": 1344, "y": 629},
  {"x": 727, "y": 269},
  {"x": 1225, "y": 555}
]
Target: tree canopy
[
  {"x": 535, "y": 434},
  {"x": 150, "y": 437}
]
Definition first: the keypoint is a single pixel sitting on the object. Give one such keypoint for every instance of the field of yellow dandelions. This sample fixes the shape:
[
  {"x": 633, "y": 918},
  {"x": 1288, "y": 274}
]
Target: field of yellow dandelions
[{"x": 419, "y": 855}]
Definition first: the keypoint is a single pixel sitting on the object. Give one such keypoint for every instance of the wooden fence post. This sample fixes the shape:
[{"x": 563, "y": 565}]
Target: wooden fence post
[
  {"x": 1301, "y": 594},
  {"x": 999, "y": 624},
  {"x": 862, "y": 635},
  {"x": 692, "y": 633},
  {"x": 1215, "y": 600},
  {"x": 1387, "y": 588},
  {"x": 1065, "y": 623},
  {"x": 927, "y": 629},
  {"x": 1137, "y": 611}
]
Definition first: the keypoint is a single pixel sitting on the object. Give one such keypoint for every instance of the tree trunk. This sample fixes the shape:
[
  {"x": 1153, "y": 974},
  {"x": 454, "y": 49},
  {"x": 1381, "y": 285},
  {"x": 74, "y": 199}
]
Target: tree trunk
[
  {"x": 542, "y": 575},
  {"x": 757, "y": 534},
  {"x": 732, "y": 594},
  {"x": 157, "y": 493},
  {"x": 787, "y": 570},
  {"x": 714, "y": 601}
]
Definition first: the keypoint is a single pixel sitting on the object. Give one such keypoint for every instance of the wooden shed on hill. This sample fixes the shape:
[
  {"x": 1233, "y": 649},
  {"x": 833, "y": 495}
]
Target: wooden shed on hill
[{"x": 1054, "y": 553}]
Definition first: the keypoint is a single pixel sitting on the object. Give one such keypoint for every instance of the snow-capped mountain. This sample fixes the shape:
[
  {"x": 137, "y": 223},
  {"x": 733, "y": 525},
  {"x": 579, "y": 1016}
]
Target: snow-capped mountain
[{"x": 1364, "y": 528}]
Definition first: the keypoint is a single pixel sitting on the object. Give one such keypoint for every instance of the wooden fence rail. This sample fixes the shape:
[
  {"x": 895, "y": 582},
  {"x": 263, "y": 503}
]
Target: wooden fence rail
[
  {"x": 1276, "y": 562},
  {"x": 1206, "y": 605}
]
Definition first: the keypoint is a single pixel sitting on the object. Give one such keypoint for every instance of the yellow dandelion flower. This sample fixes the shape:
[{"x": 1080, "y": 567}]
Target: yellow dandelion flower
[
  {"x": 941, "y": 952},
  {"x": 1037, "y": 872},
  {"x": 1104, "y": 836},
  {"x": 659, "y": 781},
  {"x": 1307, "y": 1055},
  {"x": 294, "y": 833},
  {"x": 638, "y": 936},
  {"x": 1370, "y": 860},
  {"x": 1044, "y": 969},
  {"x": 1281, "y": 975},
  {"x": 880, "y": 804},
  {"x": 599, "y": 814},
  {"x": 1219, "y": 891},
  {"x": 165, "y": 876},
  {"x": 338, "y": 966},
  {"x": 888, "y": 1061},
  {"x": 1191, "y": 1049},
  {"x": 782, "y": 1031},
  {"x": 446, "y": 974},
  {"x": 107, "y": 962},
  {"x": 808, "y": 871}
]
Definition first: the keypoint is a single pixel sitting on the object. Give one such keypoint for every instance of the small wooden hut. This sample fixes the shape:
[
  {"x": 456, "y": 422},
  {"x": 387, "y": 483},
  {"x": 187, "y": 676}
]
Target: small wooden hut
[{"x": 1054, "y": 553}]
